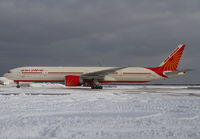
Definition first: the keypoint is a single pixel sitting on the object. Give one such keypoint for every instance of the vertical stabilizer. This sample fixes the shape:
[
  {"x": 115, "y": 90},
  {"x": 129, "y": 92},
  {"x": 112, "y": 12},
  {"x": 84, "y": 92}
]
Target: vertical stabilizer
[{"x": 172, "y": 61}]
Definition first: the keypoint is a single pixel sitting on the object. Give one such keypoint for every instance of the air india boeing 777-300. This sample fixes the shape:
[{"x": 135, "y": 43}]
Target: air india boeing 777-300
[{"x": 94, "y": 77}]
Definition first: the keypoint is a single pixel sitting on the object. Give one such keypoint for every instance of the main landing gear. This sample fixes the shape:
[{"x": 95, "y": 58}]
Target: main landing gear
[{"x": 94, "y": 84}]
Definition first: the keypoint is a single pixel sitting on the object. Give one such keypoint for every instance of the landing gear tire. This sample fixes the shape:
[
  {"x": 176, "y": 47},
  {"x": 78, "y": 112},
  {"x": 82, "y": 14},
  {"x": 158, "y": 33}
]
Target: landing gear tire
[
  {"x": 18, "y": 86},
  {"x": 97, "y": 87}
]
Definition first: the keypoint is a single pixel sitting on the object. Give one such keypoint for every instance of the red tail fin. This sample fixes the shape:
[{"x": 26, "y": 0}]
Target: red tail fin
[{"x": 172, "y": 61}]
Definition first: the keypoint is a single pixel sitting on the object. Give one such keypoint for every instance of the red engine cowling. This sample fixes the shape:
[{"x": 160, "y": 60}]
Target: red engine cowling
[{"x": 72, "y": 80}]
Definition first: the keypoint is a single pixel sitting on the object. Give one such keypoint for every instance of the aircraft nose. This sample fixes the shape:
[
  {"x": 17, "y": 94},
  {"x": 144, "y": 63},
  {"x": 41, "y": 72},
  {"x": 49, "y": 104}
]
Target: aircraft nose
[{"x": 7, "y": 75}]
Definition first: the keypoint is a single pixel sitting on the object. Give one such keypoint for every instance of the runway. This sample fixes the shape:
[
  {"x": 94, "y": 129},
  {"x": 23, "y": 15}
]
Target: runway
[{"x": 54, "y": 111}]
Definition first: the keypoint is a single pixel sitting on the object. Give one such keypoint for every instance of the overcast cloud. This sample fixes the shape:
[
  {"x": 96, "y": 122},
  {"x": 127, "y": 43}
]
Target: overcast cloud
[{"x": 89, "y": 32}]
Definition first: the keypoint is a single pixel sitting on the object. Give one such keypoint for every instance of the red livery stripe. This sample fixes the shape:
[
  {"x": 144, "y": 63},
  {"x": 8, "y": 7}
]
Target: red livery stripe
[
  {"x": 65, "y": 72},
  {"x": 136, "y": 73},
  {"x": 31, "y": 72},
  {"x": 40, "y": 81},
  {"x": 123, "y": 81}
]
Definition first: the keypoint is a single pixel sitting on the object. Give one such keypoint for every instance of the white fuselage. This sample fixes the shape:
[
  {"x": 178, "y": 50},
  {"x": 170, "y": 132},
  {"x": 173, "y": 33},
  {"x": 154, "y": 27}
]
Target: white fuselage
[{"x": 57, "y": 74}]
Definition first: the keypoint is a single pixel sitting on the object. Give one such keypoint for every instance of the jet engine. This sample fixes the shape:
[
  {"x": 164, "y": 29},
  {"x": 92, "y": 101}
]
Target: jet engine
[{"x": 71, "y": 80}]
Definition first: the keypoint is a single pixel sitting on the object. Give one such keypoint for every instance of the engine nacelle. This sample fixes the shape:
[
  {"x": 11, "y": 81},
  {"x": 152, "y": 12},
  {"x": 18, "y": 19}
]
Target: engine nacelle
[{"x": 72, "y": 80}]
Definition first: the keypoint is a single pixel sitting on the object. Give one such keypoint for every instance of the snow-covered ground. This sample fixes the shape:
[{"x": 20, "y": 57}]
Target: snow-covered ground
[{"x": 133, "y": 112}]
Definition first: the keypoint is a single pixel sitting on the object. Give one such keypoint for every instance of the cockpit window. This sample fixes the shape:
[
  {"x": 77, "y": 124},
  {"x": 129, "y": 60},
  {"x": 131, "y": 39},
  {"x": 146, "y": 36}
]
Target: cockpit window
[{"x": 9, "y": 71}]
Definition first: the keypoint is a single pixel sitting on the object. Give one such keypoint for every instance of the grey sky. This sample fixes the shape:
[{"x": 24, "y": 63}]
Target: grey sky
[{"x": 110, "y": 32}]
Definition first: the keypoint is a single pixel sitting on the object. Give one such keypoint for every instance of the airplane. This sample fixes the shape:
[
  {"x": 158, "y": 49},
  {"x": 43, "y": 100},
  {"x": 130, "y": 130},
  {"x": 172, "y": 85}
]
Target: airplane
[{"x": 94, "y": 77}]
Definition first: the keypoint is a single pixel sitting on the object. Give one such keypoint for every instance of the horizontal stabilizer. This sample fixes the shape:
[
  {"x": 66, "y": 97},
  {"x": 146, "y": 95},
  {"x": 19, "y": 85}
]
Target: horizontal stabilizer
[{"x": 176, "y": 73}]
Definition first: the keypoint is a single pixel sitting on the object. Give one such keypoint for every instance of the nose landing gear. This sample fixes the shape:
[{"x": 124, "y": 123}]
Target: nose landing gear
[{"x": 18, "y": 86}]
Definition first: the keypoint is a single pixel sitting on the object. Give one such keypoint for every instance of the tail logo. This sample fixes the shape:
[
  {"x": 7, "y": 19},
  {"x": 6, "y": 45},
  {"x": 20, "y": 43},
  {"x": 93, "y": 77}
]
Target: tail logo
[{"x": 170, "y": 63}]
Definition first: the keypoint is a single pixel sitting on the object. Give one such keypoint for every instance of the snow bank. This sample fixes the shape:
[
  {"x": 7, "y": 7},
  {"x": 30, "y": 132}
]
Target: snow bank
[
  {"x": 46, "y": 85},
  {"x": 110, "y": 113}
]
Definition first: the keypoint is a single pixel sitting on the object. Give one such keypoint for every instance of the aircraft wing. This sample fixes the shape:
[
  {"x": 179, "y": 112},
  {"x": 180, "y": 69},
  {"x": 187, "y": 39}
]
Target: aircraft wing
[{"x": 100, "y": 74}]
